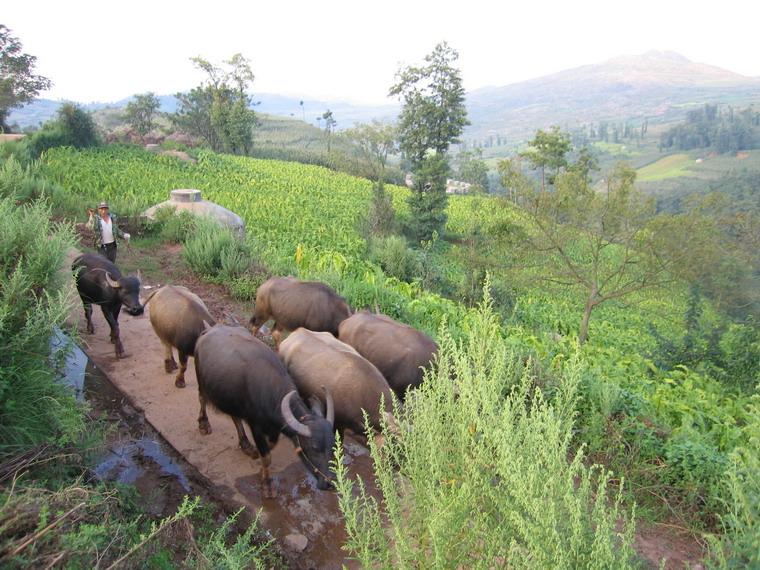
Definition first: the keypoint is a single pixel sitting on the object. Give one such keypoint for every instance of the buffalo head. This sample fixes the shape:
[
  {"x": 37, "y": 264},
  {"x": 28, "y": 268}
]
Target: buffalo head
[
  {"x": 315, "y": 438},
  {"x": 128, "y": 291}
]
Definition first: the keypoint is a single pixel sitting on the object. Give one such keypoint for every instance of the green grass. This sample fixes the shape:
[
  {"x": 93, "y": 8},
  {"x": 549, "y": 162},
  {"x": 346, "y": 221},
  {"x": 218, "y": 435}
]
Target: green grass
[{"x": 671, "y": 166}]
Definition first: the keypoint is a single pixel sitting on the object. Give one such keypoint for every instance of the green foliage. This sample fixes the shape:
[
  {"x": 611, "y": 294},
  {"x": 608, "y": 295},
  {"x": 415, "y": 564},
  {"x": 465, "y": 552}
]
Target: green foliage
[
  {"x": 73, "y": 127},
  {"x": 740, "y": 545},
  {"x": 433, "y": 117},
  {"x": 141, "y": 111},
  {"x": 18, "y": 84},
  {"x": 375, "y": 141},
  {"x": 434, "y": 113},
  {"x": 381, "y": 219},
  {"x": 218, "y": 111},
  {"x": 428, "y": 199},
  {"x": 477, "y": 472},
  {"x": 548, "y": 151},
  {"x": 248, "y": 550},
  {"x": 395, "y": 258},
  {"x": 213, "y": 250},
  {"x": 706, "y": 127},
  {"x": 471, "y": 168},
  {"x": 175, "y": 226},
  {"x": 33, "y": 407}
]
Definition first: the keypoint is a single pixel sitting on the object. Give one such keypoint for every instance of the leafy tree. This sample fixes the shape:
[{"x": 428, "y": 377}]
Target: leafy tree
[
  {"x": 219, "y": 110},
  {"x": 376, "y": 141},
  {"x": 609, "y": 244},
  {"x": 141, "y": 111},
  {"x": 432, "y": 118},
  {"x": 73, "y": 126},
  {"x": 18, "y": 84},
  {"x": 548, "y": 150},
  {"x": 473, "y": 169}
]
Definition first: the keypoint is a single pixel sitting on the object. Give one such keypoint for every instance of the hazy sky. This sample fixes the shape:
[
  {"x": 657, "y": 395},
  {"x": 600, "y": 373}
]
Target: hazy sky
[{"x": 105, "y": 51}]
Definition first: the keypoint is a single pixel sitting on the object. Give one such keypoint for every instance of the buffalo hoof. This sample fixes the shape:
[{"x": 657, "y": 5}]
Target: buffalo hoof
[
  {"x": 249, "y": 450},
  {"x": 170, "y": 365},
  {"x": 267, "y": 490},
  {"x": 180, "y": 383},
  {"x": 204, "y": 427}
]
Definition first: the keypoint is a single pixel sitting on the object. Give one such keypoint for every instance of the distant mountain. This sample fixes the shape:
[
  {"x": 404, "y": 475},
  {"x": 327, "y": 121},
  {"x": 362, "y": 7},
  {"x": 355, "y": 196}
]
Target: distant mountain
[
  {"x": 656, "y": 85},
  {"x": 347, "y": 114}
]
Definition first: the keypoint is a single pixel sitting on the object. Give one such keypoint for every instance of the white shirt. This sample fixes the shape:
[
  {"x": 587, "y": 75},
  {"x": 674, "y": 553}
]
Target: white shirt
[{"x": 106, "y": 229}]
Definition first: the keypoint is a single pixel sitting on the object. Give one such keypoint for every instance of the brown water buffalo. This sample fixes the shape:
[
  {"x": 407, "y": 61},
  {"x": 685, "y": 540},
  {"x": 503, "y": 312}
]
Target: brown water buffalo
[
  {"x": 399, "y": 351},
  {"x": 177, "y": 316},
  {"x": 100, "y": 282},
  {"x": 317, "y": 359},
  {"x": 293, "y": 303},
  {"x": 241, "y": 376}
]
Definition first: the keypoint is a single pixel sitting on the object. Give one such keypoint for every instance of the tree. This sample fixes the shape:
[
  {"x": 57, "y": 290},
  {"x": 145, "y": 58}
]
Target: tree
[
  {"x": 73, "y": 126},
  {"x": 375, "y": 141},
  {"x": 219, "y": 110},
  {"x": 548, "y": 150},
  {"x": 141, "y": 111},
  {"x": 330, "y": 124},
  {"x": 609, "y": 244},
  {"x": 473, "y": 169},
  {"x": 432, "y": 118},
  {"x": 18, "y": 84}
]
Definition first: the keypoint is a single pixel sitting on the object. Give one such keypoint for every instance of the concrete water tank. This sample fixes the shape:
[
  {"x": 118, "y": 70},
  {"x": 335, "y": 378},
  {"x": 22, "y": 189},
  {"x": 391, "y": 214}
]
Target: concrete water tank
[{"x": 187, "y": 199}]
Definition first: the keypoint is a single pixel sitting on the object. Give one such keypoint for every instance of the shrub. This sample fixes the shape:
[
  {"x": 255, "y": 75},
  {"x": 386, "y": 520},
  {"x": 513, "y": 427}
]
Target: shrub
[
  {"x": 173, "y": 226},
  {"x": 477, "y": 472},
  {"x": 396, "y": 259},
  {"x": 33, "y": 407},
  {"x": 739, "y": 547},
  {"x": 213, "y": 251}
]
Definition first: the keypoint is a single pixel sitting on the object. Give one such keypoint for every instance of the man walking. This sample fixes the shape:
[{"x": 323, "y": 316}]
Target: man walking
[{"x": 106, "y": 231}]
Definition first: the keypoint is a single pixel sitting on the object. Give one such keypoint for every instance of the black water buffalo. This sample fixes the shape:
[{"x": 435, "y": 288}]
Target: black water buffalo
[
  {"x": 399, "y": 351},
  {"x": 177, "y": 315},
  {"x": 293, "y": 303},
  {"x": 100, "y": 282},
  {"x": 241, "y": 376},
  {"x": 318, "y": 359}
]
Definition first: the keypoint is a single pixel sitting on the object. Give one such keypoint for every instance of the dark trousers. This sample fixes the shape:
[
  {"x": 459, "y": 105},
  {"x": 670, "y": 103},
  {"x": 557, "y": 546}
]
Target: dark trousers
[{"x": 108, "y": 250}]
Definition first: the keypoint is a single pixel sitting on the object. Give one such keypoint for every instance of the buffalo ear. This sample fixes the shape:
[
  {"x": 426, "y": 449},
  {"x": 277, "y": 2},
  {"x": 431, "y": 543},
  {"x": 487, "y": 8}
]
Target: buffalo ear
[
  {"x": 112, "y": 282},
  {"x": 316, "y": 406}
]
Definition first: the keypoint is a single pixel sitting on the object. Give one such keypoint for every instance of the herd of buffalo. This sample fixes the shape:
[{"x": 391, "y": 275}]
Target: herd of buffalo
[{"x": 333, "y": 368}]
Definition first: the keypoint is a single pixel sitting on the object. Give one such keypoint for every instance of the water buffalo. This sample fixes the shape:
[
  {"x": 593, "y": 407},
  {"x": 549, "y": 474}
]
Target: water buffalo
[
  {"x": 100, "y": 282},
  {"x": 317, "y": 359},
  {"x": 293, "y": 303},
  {"x": 177, "y": 316},
  {"x": 242, "y": 377},
  {"x": 399, "y": 351}
]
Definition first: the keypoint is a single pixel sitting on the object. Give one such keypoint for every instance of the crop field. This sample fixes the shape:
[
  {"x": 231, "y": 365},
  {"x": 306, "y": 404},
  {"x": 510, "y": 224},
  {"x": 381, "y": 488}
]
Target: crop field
[{"x": 671, "y": 166}]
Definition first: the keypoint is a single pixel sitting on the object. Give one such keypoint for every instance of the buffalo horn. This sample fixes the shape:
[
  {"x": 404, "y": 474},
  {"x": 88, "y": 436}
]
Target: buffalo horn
[
  {"x": 111, "y": 282},
  {"x": 330, "y": 415},
  {"x": 290, "y": 419}
]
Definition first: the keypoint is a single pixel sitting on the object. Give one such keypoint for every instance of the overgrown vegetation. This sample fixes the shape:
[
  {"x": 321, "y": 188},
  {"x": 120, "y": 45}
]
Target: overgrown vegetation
[{"x": 477, "y": 472}]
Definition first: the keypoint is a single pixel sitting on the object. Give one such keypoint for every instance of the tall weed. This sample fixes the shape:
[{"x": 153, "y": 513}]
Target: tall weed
[
  {"x": 33, "y": 407},
  {"x": 479, "y": 472}
]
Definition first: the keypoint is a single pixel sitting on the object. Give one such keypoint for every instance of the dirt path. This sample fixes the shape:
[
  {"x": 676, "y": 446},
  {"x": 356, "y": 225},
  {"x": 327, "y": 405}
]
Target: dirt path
[
  {"x": 300, "y": 517},
  {"x": 301, "y": 514}
]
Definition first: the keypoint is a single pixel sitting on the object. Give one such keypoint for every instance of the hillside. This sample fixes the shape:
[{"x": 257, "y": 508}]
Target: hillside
[{"x": 659, "y": 86}]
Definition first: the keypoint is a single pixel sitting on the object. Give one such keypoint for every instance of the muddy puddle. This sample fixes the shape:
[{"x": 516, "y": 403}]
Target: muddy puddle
[
  {"x": 134, "y": 453},
  {"x": 306, "y": 522}
]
